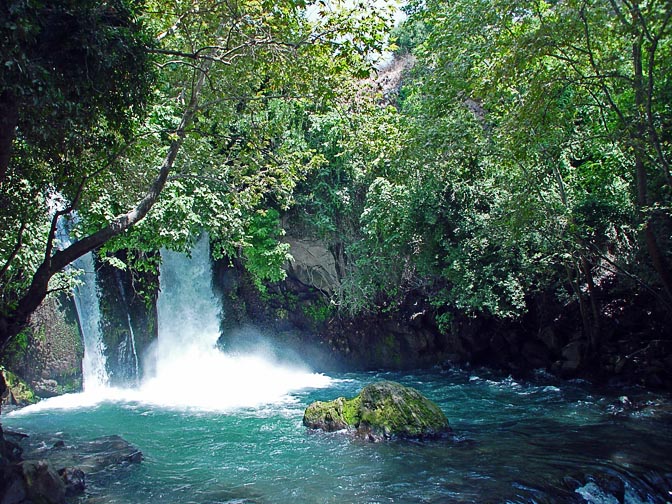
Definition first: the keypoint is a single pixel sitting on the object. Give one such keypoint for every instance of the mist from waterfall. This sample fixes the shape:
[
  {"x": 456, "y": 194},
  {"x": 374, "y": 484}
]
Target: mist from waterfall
[
  {"x": 185, "y": 369},
  {"x": 190, "y": 370}
]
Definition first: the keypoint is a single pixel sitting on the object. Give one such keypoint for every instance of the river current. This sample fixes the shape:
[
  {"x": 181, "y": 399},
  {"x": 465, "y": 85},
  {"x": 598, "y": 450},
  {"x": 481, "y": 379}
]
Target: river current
[
  {"x": 220, "y": 426},
  {"x": 536, "y": 441}
]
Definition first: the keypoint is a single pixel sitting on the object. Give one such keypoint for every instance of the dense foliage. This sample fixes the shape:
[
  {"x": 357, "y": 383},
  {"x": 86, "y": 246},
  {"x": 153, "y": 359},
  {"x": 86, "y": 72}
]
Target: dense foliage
[
  {"x": 527, "y": 150},
  {"x": 137, "y": 125},
  {"x": 510, "y": 148}
]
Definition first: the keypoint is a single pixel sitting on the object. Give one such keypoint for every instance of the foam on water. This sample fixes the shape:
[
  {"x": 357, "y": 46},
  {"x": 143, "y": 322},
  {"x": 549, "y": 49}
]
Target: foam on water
[
  {"x": 186, "y": 369},
  {"x": 200, "y": 381},
  {"x": 212, "y": 380}
]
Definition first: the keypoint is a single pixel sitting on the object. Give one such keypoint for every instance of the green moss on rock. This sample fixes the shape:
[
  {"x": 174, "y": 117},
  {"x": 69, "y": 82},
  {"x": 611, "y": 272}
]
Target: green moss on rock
[
  {"x": 18, "y": 392},
  {"x": 328, "y": 415},
  {"x": 383, "y": 410}
]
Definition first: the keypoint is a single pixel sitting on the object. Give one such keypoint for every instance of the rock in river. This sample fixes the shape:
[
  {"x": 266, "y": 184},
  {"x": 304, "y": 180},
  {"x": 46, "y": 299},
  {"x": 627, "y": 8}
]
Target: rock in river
[{"x": 384, "y": 410}]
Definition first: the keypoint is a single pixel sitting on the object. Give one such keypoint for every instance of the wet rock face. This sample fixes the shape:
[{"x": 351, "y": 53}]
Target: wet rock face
[
  {"x": 34, "y": 479},
  {"x": 43, "y": 484},
  {"x": 31, "y": 482},
  {"x": 128, "y": 323},
  {"x": 74, "y": 480},
  {"x": 16, "y": 391},
  {"x": 312, "y": 264},
  {"x": 385, "y": 410}
]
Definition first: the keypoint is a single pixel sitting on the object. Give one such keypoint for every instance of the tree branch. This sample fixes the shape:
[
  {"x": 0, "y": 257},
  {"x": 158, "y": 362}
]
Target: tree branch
[
  {"x": 653, "y": 132},
  {"x": 596, "y": 69},
  {"x": 52, "y": 264},
  {"x": 15, "y": 250}
]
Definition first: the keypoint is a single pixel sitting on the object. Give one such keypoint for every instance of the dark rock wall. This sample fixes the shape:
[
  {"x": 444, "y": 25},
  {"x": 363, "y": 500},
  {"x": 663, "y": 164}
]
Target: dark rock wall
[
  {"x": 128, "y": 321},
  {"x": 48, "y": 354},
  {"x": 635, "y": 342}
]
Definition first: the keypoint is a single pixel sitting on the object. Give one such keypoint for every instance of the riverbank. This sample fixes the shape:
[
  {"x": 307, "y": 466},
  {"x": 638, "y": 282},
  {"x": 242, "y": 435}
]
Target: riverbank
[{"x": 537, "y": 440}]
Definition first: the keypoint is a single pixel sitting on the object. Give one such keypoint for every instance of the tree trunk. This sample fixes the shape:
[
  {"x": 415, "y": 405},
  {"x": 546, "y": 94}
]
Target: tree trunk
[
  {"x": 9, "y": 118},
  {"x": 639, "y": 136},
  {"x": 594, "y": 339},
  {"x": 573, "y": 275},
  {"x": 12, "y": 323}
]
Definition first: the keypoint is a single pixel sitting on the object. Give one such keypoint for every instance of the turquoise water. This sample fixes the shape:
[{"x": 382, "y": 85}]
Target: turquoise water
[{"x": 515, "y": 441}]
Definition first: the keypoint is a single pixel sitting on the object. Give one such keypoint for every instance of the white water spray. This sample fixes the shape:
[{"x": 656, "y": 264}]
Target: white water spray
[{"x": 191, "y": 372}]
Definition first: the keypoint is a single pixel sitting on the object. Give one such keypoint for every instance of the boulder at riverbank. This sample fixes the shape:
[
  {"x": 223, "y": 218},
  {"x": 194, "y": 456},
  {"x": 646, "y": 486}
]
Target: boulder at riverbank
[
  {"x": 384, "y": 410},
  {"x": 50, "y": 470}
]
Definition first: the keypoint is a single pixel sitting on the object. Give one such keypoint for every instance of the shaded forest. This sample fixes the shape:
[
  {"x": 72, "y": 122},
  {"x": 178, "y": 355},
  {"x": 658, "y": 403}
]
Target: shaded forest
[{"x": 510, "y": 165}]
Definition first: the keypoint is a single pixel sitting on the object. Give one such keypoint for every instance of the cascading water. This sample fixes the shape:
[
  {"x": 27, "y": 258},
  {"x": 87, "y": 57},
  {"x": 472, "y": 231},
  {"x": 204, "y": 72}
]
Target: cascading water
[
  {"x": 185, "y": 370},
  {"x": 188, "y": 308},
  {"x": 88, "y": 310},
  {"x": 87, "y": 304},
  {"x": 191, "y": 372}
]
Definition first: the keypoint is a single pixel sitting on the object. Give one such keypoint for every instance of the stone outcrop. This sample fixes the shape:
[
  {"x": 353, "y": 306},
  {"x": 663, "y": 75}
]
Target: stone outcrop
[
  {"x": 48, "y": 354},
  {"x": 128, "y": 321},
  {"x": 384, "y": 410},
  {"x": 28, "y": 474},
  {"x": 16, "y": 391},
  {"x": 312, "y": 264},
  {"x": 633, "y": 347}
]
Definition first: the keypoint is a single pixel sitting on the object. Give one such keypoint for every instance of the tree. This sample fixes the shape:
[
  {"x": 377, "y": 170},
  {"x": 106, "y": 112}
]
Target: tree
[
  {"x": 220, "y": 67},
  {"x": 529, "y": 152},
  {"x": 74, "y": 75},
  {"x": 572, "y": 97}
]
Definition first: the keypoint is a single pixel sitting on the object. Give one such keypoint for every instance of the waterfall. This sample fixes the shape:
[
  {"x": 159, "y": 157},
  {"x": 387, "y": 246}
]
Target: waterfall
[
  {"x": 191, "y": 371},
  {"x": 87, "y": 304},
  {"x": 88, "y": 311},
  {"x": 189, "y": 311}
]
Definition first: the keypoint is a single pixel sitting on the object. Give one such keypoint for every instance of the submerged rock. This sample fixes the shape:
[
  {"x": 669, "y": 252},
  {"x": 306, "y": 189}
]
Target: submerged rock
[
  {"x": 74, "y": 479},
  {"x": 50, "y": 470},
  {"x": 383, "y": 410},
  {"x": 88, "y": 456}
]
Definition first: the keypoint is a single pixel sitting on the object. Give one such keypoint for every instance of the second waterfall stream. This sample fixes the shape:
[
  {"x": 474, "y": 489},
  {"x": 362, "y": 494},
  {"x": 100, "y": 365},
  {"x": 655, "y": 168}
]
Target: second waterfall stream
[
  {"x": 191, "y": 371},
  {"x": 185, "y": 369}
]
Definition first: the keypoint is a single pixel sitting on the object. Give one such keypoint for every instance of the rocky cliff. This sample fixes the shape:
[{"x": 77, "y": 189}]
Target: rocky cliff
[
  {"x": 48, "y": 354},
  {"x": 300, "y": 312}
]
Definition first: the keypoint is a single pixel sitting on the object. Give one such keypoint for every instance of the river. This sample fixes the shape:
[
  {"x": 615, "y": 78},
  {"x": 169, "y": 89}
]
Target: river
[
  {"x": 514, "y": 441},
  {"x": 226, "y": 427}
]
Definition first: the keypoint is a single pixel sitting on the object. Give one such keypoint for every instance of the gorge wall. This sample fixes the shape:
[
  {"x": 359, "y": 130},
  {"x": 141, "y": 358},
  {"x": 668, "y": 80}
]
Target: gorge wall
[
  {"x": 298, "y": 316},
  {"x": 634, "y": 340},
  {"x": 128, "y": 322},
  {"x": 48, "y": 354}
]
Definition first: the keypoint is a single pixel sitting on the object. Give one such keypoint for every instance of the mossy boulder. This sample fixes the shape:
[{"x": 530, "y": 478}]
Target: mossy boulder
[
  {"x": 384, "y": 410},
  {"x": 17, "y": 392}
]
